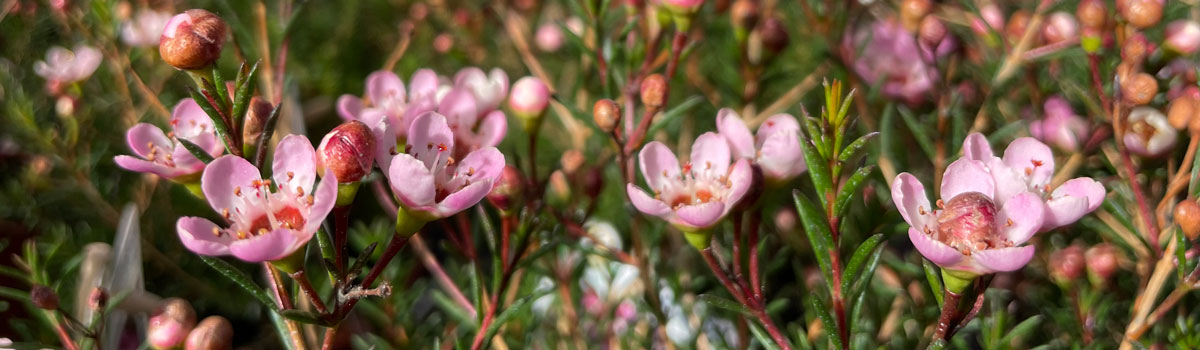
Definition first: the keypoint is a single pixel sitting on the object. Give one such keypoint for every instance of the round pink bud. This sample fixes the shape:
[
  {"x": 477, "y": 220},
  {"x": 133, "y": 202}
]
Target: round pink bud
[
  {"x": 509, "y": 189},
  {"x": 1066, "y": 265},
  {"x": 1092, "y": 13},
  {"x": 192, "y": 39},
  {"x": 348, "y": 150},
  {"x": 966, "y": 223},
  {"x": 1142, "y": 13},
  {"x": 1183, "y": 36},
  {"x": 1060, "y": 26},
  {"x": 549, "y": 37},
  {"x": 932, "y": 31},
  {"x": 529, "y": 97},
  {"x": 990, "y": 16},
  {"x": 443, "y": 42},
  {"x": 1102, "y": 261},
  {"x": 170, "y": 324},
  {"x": 213, "y": 333}
]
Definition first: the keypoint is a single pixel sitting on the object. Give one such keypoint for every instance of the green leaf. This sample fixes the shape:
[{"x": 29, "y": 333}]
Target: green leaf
[
  {"x": 211, "y": 92},
  {"x": 327, "y": 254},
  {"x": 850, "y": 188},
  {"x": 855, "y": 147},
  {"x": 241, "y": 99},
  {"x": 818, "y": 171},
  {"x": 517, "y": 308},
  {"x": 362, "y": 258},
  {"x": 674, "y": 113},
  {"x": 219, "y": 86},
  {"x": 725, "y": 304},
  {"x": 239, "y": 277},
  {"x": 1022, "y": 329},
  {"x": 844, "y": 107},
  {"x": 1180, "y": 248},
  {"x": 454, "y": 311},
  {"x": 918, "y": 131},
  {"x": 762, "y": 336},
  {"x": 219, "y": 125},
  {"x": 818, "y": 232},
  {"x": 827, "y": 321},
  {"x": 935, "y": 280},
  {"x": 195, "y": 150},
  {"x": 860, "y": 256},
  {"x": 303, "y": 317},
  {"x": 268, "y": 130},
  {"x": 814, "y": 132},
  {"x": 859, "y": 289}
]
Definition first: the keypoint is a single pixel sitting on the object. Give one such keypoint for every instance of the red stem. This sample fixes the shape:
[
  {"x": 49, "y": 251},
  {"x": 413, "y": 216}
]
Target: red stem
[
  {"x": 949, "y": 313},
  {"x": 341, "y": 221},
  {"x": 302, "y": 279},
  {"x": 755, "y": 281},
  {"x": 758, "y": 309}
]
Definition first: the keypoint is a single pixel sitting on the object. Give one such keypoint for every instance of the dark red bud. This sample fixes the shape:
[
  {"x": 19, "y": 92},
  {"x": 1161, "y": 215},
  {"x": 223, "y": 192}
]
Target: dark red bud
[
  {"x": 213, "y": 333},
  {"x": 192, "y": 39},
  {"x": 348, "y": 150},
  {"x": 43, "y": 297}
]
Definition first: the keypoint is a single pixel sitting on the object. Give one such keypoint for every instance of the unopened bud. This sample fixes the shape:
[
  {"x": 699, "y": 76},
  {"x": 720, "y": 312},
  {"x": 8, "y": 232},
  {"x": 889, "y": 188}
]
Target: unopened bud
[
  {"x": 912, "y": 12},
  {"x": 744, "y": 14},
  {"x": 1139, "y": 89},
  {"x": 549, "y": 37},
  {"x": 654, "y": 90},
  {"x": 1066, "y": 265},
  {"x": 509, "y": 189},
  {"x": 170, "y": 324},
  {"x": 213, "y": 333},
  {"x": 785, "y": 220},
  {"x": 1092, "y": 13},
  {"x": 1182, "y": 111},
  {"x": 442, "y": 43},
  {"x": 1142, "y": 13},
  {"x": 1017, "y": 24},
  {"x": 990, "y": 17},
  {"x": 560, "y": 189},
  {"x": 1135, "y": 49},
  {"x": 1183, "y": 36},
  {"x": 1187, "y": 215},
  {"x": 593, "y": 181},
  {"x": 932, "y": 31},
  {"x": 529, "y": 99},
  {"x": 1059, "y": 27},
  {"x": 1103, "y": 260},
  {"x": 775, "y": 36},
  {"x": 192, "y": 39},
  {"x": 98, "y": 299},
  {"x": 682, "y": 6},
  {"x": 256, "y": 119},
  {"x": 348, "y": 150},
  {"x": 43, "y": 297},
  {"x": 571, "y": 160},
  {"x": 606, "y": 114}
]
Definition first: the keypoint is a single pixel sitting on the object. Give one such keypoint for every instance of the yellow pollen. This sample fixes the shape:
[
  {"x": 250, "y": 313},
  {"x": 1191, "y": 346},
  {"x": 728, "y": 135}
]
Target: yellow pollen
[
  {"x": 941, "y": 204},
  {"x": 216, "y": 232},
  {"x": 1010, "y": 222},
  {"x": 237, "y": 191},
  {"x": 309, "y": 200},
  {"x": 290, "y": 175},
  {"x": 299, "y": 191}
]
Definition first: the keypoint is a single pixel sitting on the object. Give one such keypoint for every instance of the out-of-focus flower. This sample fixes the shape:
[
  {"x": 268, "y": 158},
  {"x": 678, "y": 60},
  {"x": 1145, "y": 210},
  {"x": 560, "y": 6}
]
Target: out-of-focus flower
[
  {"x": 1183, "y": 111},
  {"x": 213, "y": 333},
  {"x": 348, "y": 150},
  {"x": 1060, "y": 126},
  {"x": 1102, "y": 261},
  {"x": 442, "y": 43},
  {"x": 1149, "y": 133},
  {"x": 529, "y": 99},
  {"x": 682, "y": 6},
  {"x": 161, "y": 154},
  {"x": 549, "y": 37},
  {"x": 1142, "y": 13},
  {"x": 489, "y": 89},
  {"x": 1066, "y": 265},
  {"x": 63, "y": 66},
  {"x": 775, "y": 147},
  {"x": 890, "y": 57},
  {"x": 912, "y": 12},
  {"x": 43, "y": 297},
  {"x": 606, "y": 114},
  {"x": 1027, "y": 166},
  {"x": 265, "y": 225},
  {"x": 145, "y": 29},
  {"x": 1060, "y": 26},
  {"x": 695, "y": 195},
  {"x": 575, "y": 25},
  {"x": 429, "y": 182},
  {"x": 509, "y": 189},
  {"x": 990, "y": 19},
  {"x": 192, "y": 39},
  {"x": 170, "y": 324},
  {"x": 1183, "y": 36},
  {"x": 1139, "y": 89},
  {"x": 1187, "y": 215},
  {"x": 384, "y": 97},
  {"x": 972, "y": 232},
  {"x": 1092, "y": 13}
]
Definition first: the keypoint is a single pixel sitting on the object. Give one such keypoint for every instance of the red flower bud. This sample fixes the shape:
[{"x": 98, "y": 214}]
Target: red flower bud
[
  {"x": 654, "y": 90},
  {"x": 1092, "y": 13},
  {"x": 1066, "y": 265},
  {"x": 192, "y": 39},
  {"x": 43, "y": 297},
  {"x": 593, "y": 181},
  {"x": 1187, "y": 215},
  {"x": 1142, "y": 13},
  {"x": 1139, "y": 89},
  {"x": 1102, "y": 261},
  {"x": 774, "y": 36},
  {"x": 606, "y": 114},
  {"x": 213, "y": 333},
  {"x": 256, "y": 119},
  {"x": 170, "y": 324},
  {"x": 348, "y": 150}
]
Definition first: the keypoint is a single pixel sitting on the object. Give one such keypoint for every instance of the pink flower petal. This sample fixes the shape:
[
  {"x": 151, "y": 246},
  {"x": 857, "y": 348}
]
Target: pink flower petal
[
  {"x": 430, "y": 138},
  {"x": 976, "y": 147},
  {"x": 273, "y": 245},
  {"x": 491, "y": 129},
  {"x": 424, "y": 84},
  {"x": 324, "y": 198},
  {"x": 411, "y": 181},
  {"x": 966, "y": 175},
  {"x": 780, "y": 155},
  {"x": 741, "y": 177},
  {"x": 222, "y": 177},
  {"x": 349, "y": 107},
  {"x": 658, "y": 164},
  {"x": 385, "y": 143},
  {"x": 142, "y": 166},
  {"x": 701, "y": 216},
  {"x": 197, "y": 235},
  {"x": 1003, "y": 259},
  {"x": 1064, "y": 210},
  {"x": 294, "y": 165},
  {"x": 143, "y": 138},
  {"x": 482, "y": 165},
  {"x": 464, "y": 198},
  {"x": 1021, "y": 217},
  {"x": 1008, "y": 182},
  {"x": 909, "y": 196},
  {"x": 731, "y": 126},
  {"x": 776, "y": 124},
  {"x": 384, "y": 87},
  {"x": 937, "y": 252},
  {"x": 1082, "y": 187},
  {"x": 644, "y": 203},
  {"x": 710, "y": 155},
  {"x": 1032, "y": 158},
  {"x": 460, "y": 110}
]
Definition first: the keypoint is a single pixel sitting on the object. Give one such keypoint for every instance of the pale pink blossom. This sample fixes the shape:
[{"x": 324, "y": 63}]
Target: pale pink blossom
[
  {"x": 1028, "y": 166},
  {"x": 489, "y": 89},
  {"x": 1150, "y": 133},
  {"x": 145, "y": 28},
  {"x": 1060, "y": 126},
  {"x": 1183, "y": 36},
  {"x": 529, "y": 96},
  {"x": 64, "y": 66},
  {"x": 885, "y": 53},
  {"x": 549, "y": 37},
  {"x": 693, "y": 195},
  {"x": 161, "y": 154},
  {"x": 775, "y": 147},
  {"x": 265, "y": 225}
]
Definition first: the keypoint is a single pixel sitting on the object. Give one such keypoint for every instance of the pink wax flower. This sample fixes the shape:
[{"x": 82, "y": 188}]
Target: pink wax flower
[
  {"x": 264, "y": 225},
  {"x": 1183, "y": 36},
  {"x": 1060, "y": 126},
  {"x": 695, "y": 195},
  {"x": 145, "y": 29},
  {"x": 1028, "y": 166},
  {"x": 1059, "y": 27},
  {"x": 63, "y": 66},
  {"x": 549, "y": 37},
  {"x": 159, "y": 153},
  {"x": 889, "y": 56},
  {"x": 970, "y": 231},
  {"x": 429, "y": 181},
  {"x": 385, "y": 94},
  {"x": 990, "y": 19},
  {"x": 529, "y": 97},
  {"x": 472, "y": 130},
  {"x": 1149, "y": 133},
  {"x": 775, "y": 147},
  {"x": 489, "y": 89}
]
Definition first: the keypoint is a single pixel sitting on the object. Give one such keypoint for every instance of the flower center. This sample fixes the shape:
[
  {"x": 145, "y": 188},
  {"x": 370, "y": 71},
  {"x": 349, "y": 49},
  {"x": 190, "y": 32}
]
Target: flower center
[
  {"x": 967, "y": 223},
  {"x": 286, "y": 217}
]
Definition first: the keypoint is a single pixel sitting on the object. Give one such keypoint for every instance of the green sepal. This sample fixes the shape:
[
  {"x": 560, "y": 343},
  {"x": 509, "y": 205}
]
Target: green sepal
[
  {"x": 957, "y": 281},
  {"x": 701, "y": 238},
  {"x": 408, "y": 223},
  {"x": 292, "y": 263},
  {"x": 194, "y": 188},
  {"x": 346, "y": 192}
]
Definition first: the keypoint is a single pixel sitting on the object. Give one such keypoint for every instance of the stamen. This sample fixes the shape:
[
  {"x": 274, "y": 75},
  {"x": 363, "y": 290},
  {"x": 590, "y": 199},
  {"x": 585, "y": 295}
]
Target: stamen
[
  {"x": 1010, "y": 222},
  {"x": 1028, "y": 171},
  {"x": 225, "y": 213},
  {"x": 291, "y": 175},
  {"x": 921, "y": 209},
  {"x": 237, "y": 191},
  {"x": 216, "y": 232},
  {"x": 299, "y": 191},
  {"x": 941, "y": 204}
]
